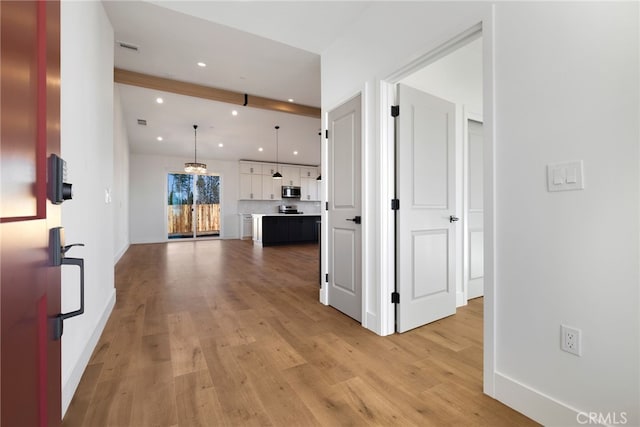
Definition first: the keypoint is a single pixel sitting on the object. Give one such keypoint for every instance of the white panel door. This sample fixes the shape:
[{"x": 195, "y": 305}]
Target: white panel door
[
  {"x": 344, "y": 194},
  {"x": 474, "y": 264},
  {"x": 425, "y": 247}
]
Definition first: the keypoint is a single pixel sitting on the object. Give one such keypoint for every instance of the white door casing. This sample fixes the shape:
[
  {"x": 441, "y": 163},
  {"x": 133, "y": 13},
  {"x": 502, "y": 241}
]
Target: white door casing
[
  {"x": 474, "y": 246},
  {"x": 425, "y": 237},
  {"x": 344, "y": 199}
]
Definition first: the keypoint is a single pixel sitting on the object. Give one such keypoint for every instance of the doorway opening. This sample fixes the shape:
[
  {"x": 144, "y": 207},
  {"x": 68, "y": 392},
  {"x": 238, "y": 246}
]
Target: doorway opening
[
  {"x": 388, "y": 98},
  {"x": 193, "y": 206},
  {"x": 439, "y": 181}
]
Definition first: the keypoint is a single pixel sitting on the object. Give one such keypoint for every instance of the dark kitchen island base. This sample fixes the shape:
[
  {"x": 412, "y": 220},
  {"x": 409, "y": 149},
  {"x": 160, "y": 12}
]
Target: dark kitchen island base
[{"x": 288, "y": 229}]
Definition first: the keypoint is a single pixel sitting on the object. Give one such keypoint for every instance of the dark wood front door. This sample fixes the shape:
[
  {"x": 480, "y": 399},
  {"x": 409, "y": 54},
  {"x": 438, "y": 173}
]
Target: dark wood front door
[{"x": 29, "y": 286}]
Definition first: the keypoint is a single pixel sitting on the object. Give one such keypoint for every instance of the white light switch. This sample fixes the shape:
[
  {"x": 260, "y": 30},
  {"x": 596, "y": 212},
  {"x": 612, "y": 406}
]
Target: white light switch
[
  {"x": 558, "y": 177},
  {"x": 565, "y": 176}
]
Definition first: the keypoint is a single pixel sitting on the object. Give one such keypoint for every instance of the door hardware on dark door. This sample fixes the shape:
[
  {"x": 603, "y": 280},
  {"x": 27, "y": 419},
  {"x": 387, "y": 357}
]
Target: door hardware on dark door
[{"x": 58, "y": 250}]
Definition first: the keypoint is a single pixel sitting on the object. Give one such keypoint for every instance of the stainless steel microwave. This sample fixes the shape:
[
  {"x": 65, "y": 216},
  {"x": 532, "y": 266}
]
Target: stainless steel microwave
[{"x": 290, "y": 192}]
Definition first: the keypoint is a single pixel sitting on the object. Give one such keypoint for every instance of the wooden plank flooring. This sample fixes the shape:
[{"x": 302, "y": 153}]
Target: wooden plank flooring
[{"x": 220, "y": 332}]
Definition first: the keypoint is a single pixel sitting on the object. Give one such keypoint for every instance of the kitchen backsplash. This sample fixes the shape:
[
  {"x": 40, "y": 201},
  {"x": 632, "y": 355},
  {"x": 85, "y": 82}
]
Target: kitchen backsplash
[{"x": 268, "y": 206}]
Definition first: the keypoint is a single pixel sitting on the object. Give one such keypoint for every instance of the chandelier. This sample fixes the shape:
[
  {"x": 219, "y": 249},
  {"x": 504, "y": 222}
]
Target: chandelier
[{"x": 195, "y": 167}]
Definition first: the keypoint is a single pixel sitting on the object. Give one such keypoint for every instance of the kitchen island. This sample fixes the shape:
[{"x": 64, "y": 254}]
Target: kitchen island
[{"x": 283, "y": 229}]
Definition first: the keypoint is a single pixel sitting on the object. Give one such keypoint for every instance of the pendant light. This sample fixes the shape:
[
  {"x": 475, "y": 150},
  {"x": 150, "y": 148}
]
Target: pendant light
[
  {"x": 195, "y": 167},
  {"x": 277, "y": 175},
  {"x": 319, "y": 178}
]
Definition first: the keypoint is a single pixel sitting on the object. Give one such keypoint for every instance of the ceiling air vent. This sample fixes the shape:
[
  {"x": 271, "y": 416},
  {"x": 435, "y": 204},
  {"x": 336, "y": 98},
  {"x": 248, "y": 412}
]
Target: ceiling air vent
[
  {"x": 142, "y": 122},
  {"x": 129, "y": 46}
]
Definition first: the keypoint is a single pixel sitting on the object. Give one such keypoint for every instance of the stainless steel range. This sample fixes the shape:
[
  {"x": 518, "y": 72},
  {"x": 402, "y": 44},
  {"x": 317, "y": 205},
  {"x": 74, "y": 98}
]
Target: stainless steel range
[{"x": 288, "y": 209}]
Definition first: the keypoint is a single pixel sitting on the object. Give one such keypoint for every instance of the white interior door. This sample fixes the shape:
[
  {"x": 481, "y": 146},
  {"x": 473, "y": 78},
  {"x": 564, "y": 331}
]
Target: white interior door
[
  {"x": 474, "y": 253},
  {"x": 425, "y": 187},
  {"x": 344, "y": 197}
]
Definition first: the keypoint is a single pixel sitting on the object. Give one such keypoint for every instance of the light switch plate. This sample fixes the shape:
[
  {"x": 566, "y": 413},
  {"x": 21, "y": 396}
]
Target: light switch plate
[{"x": 565, "y": 176}]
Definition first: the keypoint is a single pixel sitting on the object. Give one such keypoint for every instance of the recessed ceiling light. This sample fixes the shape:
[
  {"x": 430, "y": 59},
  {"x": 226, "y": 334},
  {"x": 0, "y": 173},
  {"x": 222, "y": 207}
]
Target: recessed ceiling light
[
  {"x": 159, "y": 100},
  {"x": 221, "y": 145},
  {"x": 202, "y": 64},
  {"x": 234, "y": 112},
  {"x": 295, "y": 153},
  {"x": 159, "y": 138},
  {"x": 260, "y": 149},
  {"x": 290, "y": 99}
]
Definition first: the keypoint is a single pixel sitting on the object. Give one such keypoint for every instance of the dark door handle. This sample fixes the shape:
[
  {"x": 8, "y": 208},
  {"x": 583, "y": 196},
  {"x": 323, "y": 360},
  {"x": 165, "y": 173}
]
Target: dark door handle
[
  {"x": 453, "y": 218},
  {"x": 59, "y": 319},
  {"x": 356, "y": 219},
  {"x": 57, "y": 251}
]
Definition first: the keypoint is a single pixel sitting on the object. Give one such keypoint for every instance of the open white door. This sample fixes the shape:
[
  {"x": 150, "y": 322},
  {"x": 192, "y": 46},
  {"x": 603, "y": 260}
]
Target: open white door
[
  {"x": 474, "y": 253},
  {"x": 425, "y": 233},
  {"x": 344, "y": 237}
]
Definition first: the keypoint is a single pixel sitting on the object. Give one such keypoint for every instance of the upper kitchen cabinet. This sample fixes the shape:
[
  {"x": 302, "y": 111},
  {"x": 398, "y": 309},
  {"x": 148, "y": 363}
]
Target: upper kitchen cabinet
[
  {"x": 256, "y": 182},
  {"x": 309, "y": 189},
  {"x": 309, "y": 185},
  {"x": 271, "y": 188},
  {"x": 250, "y": 187},
  {"x": 290, "y": 175},
  {"x": 309, "y": 173},
  {"x": 269, "y": 169},
  {"x": 251, "y": 168}
]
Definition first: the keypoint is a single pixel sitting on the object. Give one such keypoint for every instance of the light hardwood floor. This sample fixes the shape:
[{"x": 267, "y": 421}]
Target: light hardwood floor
[{"x": 220, "y": 332}]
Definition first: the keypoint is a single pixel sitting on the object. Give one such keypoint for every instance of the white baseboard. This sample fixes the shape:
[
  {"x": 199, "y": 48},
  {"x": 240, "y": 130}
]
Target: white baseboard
[
  {"x": 460, "y": 299},
  {"x": 120, "y": 253},
  {"x": 534, "y": 404},
  {"x": 70, "y": 386}
]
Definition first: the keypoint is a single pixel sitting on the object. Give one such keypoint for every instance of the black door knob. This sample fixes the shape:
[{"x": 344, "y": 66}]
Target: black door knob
[{"x": 356, "y": 219}]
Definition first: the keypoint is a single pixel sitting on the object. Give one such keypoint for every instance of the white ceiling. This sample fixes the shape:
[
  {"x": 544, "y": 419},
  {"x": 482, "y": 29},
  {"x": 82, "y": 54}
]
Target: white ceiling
[{"x": 173, "y": 36}]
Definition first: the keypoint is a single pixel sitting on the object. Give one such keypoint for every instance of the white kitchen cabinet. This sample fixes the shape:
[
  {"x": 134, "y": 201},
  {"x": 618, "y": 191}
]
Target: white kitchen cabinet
[
  {"x": 271, "y": 188},
  {"x": 306, "y": 172},
  {"x": 246, "y": 225},
  {"x": 269, "y": 169},
  {"x": 251, "y": 168},
  {"x": 309, "y": 189},
  {"x": 250, "y": 187},
  {"x": 290, "y": 175}
]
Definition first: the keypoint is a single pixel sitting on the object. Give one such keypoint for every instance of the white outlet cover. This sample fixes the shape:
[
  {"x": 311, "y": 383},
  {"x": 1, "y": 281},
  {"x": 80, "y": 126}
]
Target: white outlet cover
[{"x": 571, "y": 340}]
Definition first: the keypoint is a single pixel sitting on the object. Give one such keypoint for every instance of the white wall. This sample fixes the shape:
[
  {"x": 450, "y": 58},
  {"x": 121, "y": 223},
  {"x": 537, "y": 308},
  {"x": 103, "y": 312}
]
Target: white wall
[
  {"x": 148, "y": 195},
  {"x": 566, "y": 257},
  {"x": 566, "y": 87},
  {"x": 120, "y": 191},
  {"x": 456, "y": 77},
  {"x": 87, "y": 121}
]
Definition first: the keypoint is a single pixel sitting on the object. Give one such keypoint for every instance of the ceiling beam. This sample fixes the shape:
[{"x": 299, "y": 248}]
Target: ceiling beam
[{"x": 133, "y": 78}]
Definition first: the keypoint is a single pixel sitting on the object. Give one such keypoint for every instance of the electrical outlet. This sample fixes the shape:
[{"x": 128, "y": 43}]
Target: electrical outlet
[{"x": 570, "y": 340}]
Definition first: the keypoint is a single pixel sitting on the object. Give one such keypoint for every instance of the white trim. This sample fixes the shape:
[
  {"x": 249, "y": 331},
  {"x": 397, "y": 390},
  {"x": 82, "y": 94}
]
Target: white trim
[
  {"x": 437, "y": 53},
  {"x": 323, "y": 293},
  {"x": 121, "y": 252},
  {"x": 70, "y": 386},
  {"x": 365, "y": 176},
  {"x": 534, "y": 404},
  {"x": 489, "y": 202},
  {"x": 387, "y": 232}
]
